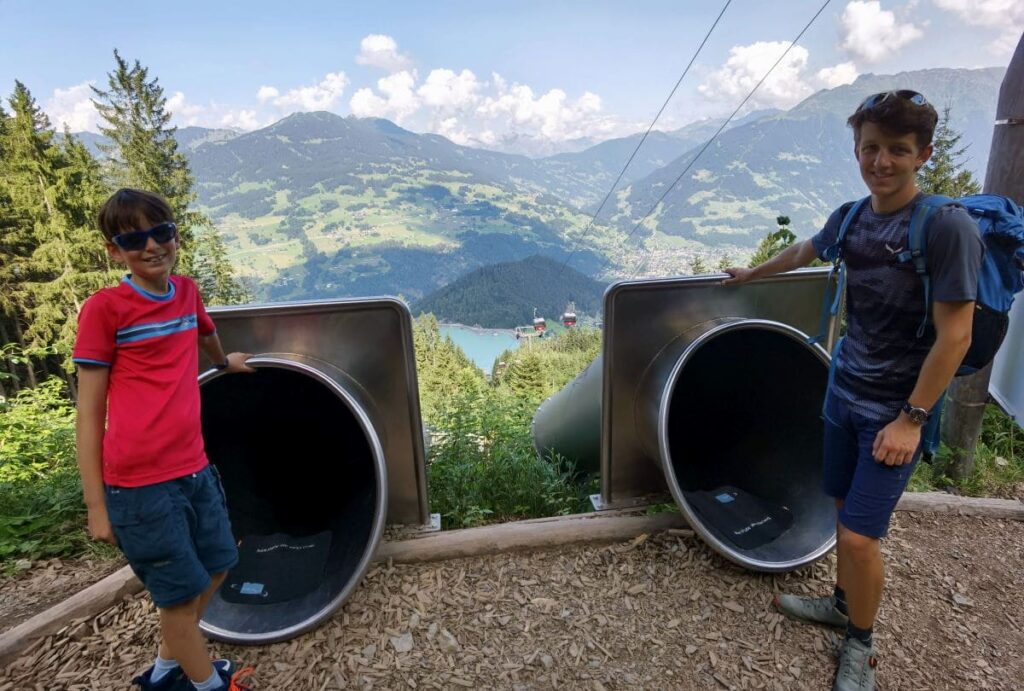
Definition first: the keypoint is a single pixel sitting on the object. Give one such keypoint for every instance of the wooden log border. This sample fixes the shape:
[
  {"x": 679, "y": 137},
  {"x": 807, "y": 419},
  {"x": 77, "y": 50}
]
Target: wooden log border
[{"x": 541, "y": 533}]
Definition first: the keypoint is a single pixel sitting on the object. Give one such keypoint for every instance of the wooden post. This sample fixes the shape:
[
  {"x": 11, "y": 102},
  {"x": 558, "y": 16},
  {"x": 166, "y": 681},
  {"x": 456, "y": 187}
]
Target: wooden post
[{"x": 1005, "y": 175}]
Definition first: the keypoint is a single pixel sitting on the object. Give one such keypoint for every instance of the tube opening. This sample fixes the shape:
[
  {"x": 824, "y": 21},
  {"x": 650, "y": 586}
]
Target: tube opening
[
  {"x": 303, "y": 484},
  {"x": 744, "y": 442}
]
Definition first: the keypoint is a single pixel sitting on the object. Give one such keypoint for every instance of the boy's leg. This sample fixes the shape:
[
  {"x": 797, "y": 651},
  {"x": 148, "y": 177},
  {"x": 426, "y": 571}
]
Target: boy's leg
[
  {"x": 215, "y": 582},
  {"x": 182, "y": 640}
]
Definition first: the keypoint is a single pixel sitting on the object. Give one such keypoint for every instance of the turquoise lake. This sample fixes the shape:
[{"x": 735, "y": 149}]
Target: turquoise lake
[{"x": 480, "y": 345}]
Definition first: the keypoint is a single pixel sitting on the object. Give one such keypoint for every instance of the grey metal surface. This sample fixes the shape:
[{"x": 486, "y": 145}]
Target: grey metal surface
[
  {"x": 1007, "y": 384},
  {"x": 355, "y": 517},
  {"x": 569, "y": 422},
  {"x": 370, "y": 340},
  {"x": 643, "y": 318}
]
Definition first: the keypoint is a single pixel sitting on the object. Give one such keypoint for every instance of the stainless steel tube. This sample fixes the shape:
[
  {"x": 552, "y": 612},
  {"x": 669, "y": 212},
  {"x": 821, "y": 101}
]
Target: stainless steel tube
[{"x": 299, "y": 451}]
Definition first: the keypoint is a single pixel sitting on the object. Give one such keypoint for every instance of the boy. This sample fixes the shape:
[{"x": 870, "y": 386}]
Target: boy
[
  {"x": 146, "y": 480},
  {"x": 886, "y": 378}
]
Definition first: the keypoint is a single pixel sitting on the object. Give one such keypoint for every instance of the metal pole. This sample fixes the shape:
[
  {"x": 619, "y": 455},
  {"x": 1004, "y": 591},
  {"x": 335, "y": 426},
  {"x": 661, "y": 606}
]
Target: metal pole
[{"x": 1005, "y": 175}]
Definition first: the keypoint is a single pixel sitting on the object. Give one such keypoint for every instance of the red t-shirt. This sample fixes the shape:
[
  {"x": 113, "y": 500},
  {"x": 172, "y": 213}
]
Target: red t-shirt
[{"x": 150, "y": 344}]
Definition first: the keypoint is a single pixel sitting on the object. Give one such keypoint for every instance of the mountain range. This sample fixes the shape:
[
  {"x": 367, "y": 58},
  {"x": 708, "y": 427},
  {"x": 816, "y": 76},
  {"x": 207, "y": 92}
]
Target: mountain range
[{"x": 318, "y": 205}]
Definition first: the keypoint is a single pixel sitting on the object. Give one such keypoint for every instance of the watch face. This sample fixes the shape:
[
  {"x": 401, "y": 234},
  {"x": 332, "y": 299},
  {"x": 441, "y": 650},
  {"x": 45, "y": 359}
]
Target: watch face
[{"x": 916, "y": 415}]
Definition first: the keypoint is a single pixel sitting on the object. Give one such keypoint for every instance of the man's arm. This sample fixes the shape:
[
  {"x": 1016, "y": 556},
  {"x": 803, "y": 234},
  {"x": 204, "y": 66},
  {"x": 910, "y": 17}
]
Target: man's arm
[
  {"x": 90, "y": 425},
  {"x": 896, "y": 443},
  {"x": 211, "y": 347},
  {"x": 793, "y": 257}
]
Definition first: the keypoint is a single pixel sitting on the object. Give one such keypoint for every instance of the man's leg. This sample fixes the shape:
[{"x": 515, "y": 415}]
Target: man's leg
[{"x": 861, "y": 575}]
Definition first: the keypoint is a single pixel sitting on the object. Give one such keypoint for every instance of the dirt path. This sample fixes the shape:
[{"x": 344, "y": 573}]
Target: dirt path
[{"x": 657, "y": 613}]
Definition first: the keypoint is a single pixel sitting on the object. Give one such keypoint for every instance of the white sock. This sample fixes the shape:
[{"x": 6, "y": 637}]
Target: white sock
[
  {"x": 211, "y": 684},
  {"x": 161, "y": 667}
]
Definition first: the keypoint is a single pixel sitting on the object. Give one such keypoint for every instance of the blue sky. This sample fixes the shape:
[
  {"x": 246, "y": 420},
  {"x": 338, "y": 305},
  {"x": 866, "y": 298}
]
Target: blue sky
[{"x": 516, "y": 76}]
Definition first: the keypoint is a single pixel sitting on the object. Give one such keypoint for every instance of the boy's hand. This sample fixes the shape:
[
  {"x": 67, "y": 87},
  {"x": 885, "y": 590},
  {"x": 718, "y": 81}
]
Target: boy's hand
[
  {"x": 737, "y": 275},
  {"x": 896, "y": 443},
  {"x": 99, "y": 525},
  {"x": 236, "y": 363}
]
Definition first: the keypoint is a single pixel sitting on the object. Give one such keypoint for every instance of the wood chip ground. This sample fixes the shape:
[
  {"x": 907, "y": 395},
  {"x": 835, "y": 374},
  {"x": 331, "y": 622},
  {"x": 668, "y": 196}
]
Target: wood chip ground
[
  {"x": 658, "y": 612},
  {"x": 43, "y": 584}
]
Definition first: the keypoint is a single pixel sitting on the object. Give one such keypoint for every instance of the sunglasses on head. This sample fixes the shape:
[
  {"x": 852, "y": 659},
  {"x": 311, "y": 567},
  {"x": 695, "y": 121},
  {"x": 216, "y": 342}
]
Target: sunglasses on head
[
  {"x": 136, "y": 240},
  {"x": 906, "y": 94}
]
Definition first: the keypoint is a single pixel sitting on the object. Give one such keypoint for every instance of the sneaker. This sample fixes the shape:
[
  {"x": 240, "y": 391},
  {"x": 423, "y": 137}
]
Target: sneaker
[
  {"x": 168, "y": 682},
  {"x": 820, "y": 610},
  {"x": 857, "y": 664}
]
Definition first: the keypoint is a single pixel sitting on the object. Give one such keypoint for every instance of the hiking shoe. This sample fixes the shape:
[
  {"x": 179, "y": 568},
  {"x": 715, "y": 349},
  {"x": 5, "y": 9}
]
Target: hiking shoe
[
  {"x": 820, "y": 610},
  {"x": 857, "y": 664}
]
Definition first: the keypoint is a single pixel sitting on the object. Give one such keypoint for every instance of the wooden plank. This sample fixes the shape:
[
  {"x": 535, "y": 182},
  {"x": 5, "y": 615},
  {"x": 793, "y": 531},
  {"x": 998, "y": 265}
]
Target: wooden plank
[
  {"x": 940, "y": 502},
  {"x": 82, "y": 605},
  {"x": 524, "y": 535}
]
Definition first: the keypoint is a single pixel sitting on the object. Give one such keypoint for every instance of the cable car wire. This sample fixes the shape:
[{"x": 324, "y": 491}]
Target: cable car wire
[
  {"x": 590, "y": 225},
  {"x": 713, "y": 138}
]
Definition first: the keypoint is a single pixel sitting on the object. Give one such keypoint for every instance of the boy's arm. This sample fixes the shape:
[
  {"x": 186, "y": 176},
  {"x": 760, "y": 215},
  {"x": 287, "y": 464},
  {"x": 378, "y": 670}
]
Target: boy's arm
[
  {"x": 211, "y": 347},
  {"x": 793, "y": 257},
  {"x": 896, "y": 443},
  {"x": 90, "y": 425}
]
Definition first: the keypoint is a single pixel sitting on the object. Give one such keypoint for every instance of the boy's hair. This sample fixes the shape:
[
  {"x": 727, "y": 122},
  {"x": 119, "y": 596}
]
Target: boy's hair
[
  {"x": 899, "y": 116},
  {"x": 129, "y": 209}
]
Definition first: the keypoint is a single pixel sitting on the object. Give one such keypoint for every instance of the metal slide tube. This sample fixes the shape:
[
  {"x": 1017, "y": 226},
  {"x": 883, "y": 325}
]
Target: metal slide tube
[
  {"x": 729, "y": 402},
  {"x": 299, "y": 452}
]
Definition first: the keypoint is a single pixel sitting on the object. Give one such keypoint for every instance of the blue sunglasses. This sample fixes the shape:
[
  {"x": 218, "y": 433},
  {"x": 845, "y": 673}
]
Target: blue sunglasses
[
  {"x": 136, "y": 240},
  {"x": 906, "y": 94}
]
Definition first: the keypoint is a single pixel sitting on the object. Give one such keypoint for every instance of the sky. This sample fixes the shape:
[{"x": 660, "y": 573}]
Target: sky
[{"x": 529, "y": 76}]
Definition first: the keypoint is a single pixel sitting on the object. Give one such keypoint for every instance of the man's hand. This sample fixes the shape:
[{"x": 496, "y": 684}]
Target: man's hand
[
  {"x": 236, "y": 363},
  {"x": 896, "y": 443},
  {"x": 737, "y": 275},
  {"x": 99, "y": 525}
]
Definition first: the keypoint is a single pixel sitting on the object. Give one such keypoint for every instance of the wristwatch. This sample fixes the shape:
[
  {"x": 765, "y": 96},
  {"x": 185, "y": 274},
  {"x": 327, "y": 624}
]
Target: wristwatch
[
  {"x": 223, "y": 365},
  {"x": 918, "y": 416}
]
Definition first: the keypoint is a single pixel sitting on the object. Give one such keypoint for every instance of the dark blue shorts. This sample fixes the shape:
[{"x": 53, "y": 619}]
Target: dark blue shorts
[
  {"x": 175, "y": 534},
  {"x": 869, "y": 489}
]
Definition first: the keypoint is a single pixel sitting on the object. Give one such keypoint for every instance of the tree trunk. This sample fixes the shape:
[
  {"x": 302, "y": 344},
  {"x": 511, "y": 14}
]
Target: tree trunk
[
  {"x": 1005, "y": 176},
  {"x": 11, "y": 367}
]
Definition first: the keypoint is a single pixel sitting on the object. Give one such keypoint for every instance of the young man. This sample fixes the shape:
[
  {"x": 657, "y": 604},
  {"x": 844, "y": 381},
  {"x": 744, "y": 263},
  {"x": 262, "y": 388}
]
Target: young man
[
  {"x": 886, "y": 378},
  {"x": 146, "y": 480}
]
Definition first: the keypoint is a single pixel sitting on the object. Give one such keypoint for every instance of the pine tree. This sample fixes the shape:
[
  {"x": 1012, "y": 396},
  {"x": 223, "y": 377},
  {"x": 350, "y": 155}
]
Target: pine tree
[
  {"x": 773, "y": 242},
  {"x": 944, "y": 172},
  {"x": 143, "y": 153}
]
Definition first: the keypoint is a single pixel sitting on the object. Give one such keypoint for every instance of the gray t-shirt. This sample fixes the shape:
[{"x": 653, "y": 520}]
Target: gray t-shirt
[{"x": 879, "y": 360}]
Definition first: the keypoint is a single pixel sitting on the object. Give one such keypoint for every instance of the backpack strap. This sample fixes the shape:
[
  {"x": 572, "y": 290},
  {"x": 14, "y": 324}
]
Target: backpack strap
[
  {"x": 917, "y": 245},
  {"x": 834, "y": 252}
]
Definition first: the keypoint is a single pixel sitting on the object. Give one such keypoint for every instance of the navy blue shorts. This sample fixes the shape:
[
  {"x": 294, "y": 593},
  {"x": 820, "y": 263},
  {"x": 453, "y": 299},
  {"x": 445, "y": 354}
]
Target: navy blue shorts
[
  {"x": 175, "y": 534},
  {"x": 869, "y": 489}
]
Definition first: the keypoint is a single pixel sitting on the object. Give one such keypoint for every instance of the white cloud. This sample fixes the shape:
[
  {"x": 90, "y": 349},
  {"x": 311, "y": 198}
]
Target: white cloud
[
  {"x": 447, "y": 90},
  {"x": 379, "y": 50},
  {"x": 552, "y": 116},
  {"x": 872, "y": 34},
  {"x": 321, "y": 96},
  {"x": 73, "y": 107},
  {"x": 241, "y": 119},
  {"x": 837, "y": 75},
  {"x": 784, "y": 87},
  {"x": 185, "y": 113},
  {"x": 398, "y": 100},
  {"x": 267, "y": 93},
  {"x": 1005, "y": 16}
]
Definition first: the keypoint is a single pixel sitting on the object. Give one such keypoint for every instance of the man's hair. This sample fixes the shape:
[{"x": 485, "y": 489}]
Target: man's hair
[
  {"x": 896, "y": 115},
  {"x": 129, "y": 209}
]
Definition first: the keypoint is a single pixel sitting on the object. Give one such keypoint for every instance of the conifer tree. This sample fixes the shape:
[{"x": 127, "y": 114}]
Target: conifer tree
[
  {"x": 773, "y": 242},
  {"x": 944, "y": 172},
  {"x": 143, "y": 153}
]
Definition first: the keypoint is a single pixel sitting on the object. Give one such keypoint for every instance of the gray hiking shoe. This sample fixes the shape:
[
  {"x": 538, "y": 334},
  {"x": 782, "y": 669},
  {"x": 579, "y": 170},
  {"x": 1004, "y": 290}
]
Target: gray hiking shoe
[
  {"x": 857, "y": 664},
  {"x": 820, "y": 610}
]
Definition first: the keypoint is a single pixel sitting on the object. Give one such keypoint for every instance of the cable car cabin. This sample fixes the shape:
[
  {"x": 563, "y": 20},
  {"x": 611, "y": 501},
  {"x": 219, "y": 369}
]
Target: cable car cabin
[
  {"x": 540, "y": 325},
  {"x": 569, "y": 317}
]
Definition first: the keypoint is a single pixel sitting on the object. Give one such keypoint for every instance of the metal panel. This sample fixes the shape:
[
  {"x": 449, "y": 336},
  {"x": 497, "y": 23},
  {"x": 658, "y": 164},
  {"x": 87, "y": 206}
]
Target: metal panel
[
  {"x": 368, "y": 339},
  {"x": 1007, "y": 384},
  {"x": 642, "y": 318}
]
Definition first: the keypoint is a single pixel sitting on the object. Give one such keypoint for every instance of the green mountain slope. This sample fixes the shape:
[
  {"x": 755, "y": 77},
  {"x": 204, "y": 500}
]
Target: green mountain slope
[
  {"x": 798, "y": 163},
  {"x": 504, "y": 295}
]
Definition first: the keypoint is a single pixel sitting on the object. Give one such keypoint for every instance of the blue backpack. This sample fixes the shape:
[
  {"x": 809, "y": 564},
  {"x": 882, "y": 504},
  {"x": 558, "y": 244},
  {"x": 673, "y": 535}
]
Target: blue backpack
[{"x": 1001, "y": 222}]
